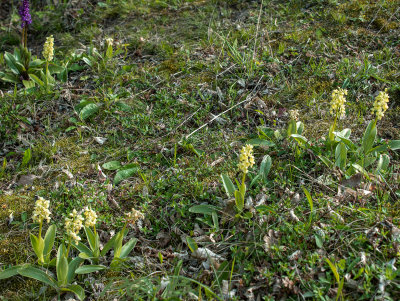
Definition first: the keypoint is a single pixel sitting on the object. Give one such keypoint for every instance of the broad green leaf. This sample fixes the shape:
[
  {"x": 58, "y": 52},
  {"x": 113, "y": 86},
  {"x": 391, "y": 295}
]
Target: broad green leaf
[
  {"x": 116, "y": 262},
  {"x": 109, "y": 52},
  {"x": 118, "y": 244},
  {"x": 35, "y": 245},
  {"x": 359, "y": 168},
  {"x": 347, "y": 141},
  {"x": 87, "y": 61},
  {"x": 35, "y": 273},
  {"x": 191, "y": 244},
  {"x": 260, "y": 142},
  {"x": 255, "y": 180},
  {"x": 55, "y": 69},
  {"x": 9, "y": 78},
  {"x": 35, "y": 63},
  {"x": 72, "y": 266},
  {"x": 228, "y": 185},
  {"x": 318, "y": 241},
  {"x": 111, "y": 165},
  {"x": 88, "y": 111},
  {"x": 129, "y": 166},
  {"x": 21, "y": 68},
  {"x": 265, "y": 166},
  {"x": 102, "y": 4},
  {"x": 17, "y": 53},
  {"x": 301, "y": 140},
  {"x": 53, "y": 262},
  {"x": 83, "y": 103},
  {"x": 248, "y": 215},
  {"x": 379, "y": 148},
  {"x": 10, "y": 60},
  {"x": 242, "y": 188},
  {"x": 36, "y": 79},
  {"x": 299, "y": 127},
  {"x": 28, "y": 84},
  {"x": 369, "y": 137},
  {"x": 128, "y": 247},
  {"x": 84, "y": 256},
  {"x": 383, "y": 162},
  {"x": 124, "y": 174},
  {"x": 394, "y": 144},
  {"x": 326, "y": 161},
  {"x": 50, "y": 79},
  {"x": 203, "y": 209},
  {"x": 368, "y": 161},
  {"x": 62, "y": 271},
  {"x": 239, "y": 200},
  {"x": 91, "y": 238},
  {"x": 76, "y": 289},
  {"x": 108, "y": 246},
  {"x": 76, "y": 67},
  {"x": 49, "y": 239},
  {"x": 266, "y": 131},
  {"x": 63, "y": 76},
  {"x": 292, "y": 129},
  {"x": 7, "y": 273},
  {"x": 346, "y": 133},
  {"x": 87, "y": 269},
  {"x": 341, "y": 155},
  {"x": 84, "y": 249},
  {"x": 61, "y": 266}
]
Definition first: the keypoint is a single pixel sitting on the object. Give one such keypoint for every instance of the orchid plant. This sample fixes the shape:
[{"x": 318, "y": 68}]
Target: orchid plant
[
  {"x": 67, "y": 268},
  {"x": 348, "y": 156}
]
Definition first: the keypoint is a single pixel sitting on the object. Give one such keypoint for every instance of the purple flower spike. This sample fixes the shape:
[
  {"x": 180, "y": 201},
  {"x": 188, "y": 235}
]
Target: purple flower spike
[{"x": 25, "y": 14}]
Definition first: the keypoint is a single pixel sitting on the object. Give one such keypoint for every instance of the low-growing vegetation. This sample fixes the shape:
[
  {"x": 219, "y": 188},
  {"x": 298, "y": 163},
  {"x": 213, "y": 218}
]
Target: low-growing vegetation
[{"x": 199, "y": 150}]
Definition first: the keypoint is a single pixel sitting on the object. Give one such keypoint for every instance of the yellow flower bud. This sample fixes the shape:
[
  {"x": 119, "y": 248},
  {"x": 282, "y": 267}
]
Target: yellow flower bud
[
  {"x": 294, "y": 114},
  {"x": 133, "y": 216},
  {"x": 41, "y": 210},
  {"x": 109, "y": 42},
  {"x": 48, "y": 49},
  {"x": 73, "y": 225},
  {"x": 338, "y": 101},
  {"x": 246, "y": 158},
  {"x": 381, "y": 104},
  {"x": 90, "y": 217}
]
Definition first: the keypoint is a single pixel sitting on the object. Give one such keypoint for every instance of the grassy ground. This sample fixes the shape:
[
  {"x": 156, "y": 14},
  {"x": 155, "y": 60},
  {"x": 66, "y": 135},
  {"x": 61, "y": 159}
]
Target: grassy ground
[{"x": 176, "y": 65}]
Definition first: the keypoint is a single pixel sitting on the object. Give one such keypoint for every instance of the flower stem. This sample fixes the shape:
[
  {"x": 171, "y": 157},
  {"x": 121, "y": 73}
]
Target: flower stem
[
  {"x": 26, "y": 36},
  {"x": 69, "y": 246},
  {"x": 47, "y": 80},
  {"x": 40, "y": 229},
  {"x": 123, "y": 229},
  {"x": 22, "y": 37}
]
